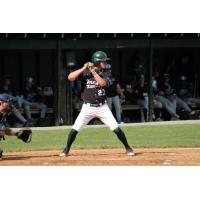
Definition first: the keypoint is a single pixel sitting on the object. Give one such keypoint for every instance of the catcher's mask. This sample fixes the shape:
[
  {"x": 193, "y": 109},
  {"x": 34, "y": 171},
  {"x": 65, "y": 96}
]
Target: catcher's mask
[{"x": 99, "y": 56}]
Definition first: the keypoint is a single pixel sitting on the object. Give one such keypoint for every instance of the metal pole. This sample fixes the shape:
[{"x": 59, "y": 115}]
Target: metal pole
[
  {"x": 57, "y": 88},
  {"x": 60, "y": 89},
  {"x": 150, "y": 79},
  {"x": 69, "y": 105},
  {"x": 120, "y": 65}
]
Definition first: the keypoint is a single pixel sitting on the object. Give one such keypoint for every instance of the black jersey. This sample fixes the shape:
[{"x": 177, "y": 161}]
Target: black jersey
[
  {"x": 141, "y": 92},
  {"x": 92, "y": 91},
  {"x": 111, "y": 91}
]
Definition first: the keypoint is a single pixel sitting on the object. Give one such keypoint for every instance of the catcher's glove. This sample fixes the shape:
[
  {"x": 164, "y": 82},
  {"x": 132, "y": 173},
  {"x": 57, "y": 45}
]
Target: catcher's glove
[
  {"x": 89, "y": 65},
  {"x": 25, "y": 135}
]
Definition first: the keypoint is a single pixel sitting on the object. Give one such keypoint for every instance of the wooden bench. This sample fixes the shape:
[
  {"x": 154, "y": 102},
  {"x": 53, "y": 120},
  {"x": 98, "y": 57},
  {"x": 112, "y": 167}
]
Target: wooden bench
[
  {"x": 37, "y": 111},
  {"x": 195, "y": 106},
  {"x": 130, "y": 107},
  {"x": 136, "y": 107}
]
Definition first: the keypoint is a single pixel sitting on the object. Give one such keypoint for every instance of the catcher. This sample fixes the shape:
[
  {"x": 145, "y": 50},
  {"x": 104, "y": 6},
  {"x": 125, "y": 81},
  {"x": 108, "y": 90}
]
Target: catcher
[
  {"x": 94, "y": 97},
  {"x": 23, "y": 134}
]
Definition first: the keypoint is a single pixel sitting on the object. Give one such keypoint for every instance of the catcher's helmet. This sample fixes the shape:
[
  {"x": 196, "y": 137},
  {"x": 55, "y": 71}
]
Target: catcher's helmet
[
  {"x": 5, "y": 97},
  {"x": 99, "y": 56}
]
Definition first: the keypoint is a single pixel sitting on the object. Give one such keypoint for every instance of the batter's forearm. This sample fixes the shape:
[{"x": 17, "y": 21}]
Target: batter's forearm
[
  {"x": 102, "y": 82},
  {"x": 75, "y": 74}
]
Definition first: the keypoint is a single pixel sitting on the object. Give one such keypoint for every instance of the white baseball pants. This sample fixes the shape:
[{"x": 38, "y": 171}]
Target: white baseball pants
[{"x": 88, "y": 113}]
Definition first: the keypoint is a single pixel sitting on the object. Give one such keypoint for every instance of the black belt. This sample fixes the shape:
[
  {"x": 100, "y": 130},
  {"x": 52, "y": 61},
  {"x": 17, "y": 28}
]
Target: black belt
[{"x": 95, "y": 104}]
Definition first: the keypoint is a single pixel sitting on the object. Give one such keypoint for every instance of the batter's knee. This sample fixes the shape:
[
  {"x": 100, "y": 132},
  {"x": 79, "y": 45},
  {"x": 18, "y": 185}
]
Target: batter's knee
[
  {"x": 77, "y": 128},
  {"x": 113, "y": 128}
]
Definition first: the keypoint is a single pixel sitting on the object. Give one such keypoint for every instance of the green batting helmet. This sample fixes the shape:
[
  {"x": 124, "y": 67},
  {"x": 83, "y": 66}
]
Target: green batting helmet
[{"x": 99, "y": 56}]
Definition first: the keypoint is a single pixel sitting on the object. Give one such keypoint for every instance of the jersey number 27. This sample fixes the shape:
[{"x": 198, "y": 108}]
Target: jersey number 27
[{"x": 101, "y": 92}]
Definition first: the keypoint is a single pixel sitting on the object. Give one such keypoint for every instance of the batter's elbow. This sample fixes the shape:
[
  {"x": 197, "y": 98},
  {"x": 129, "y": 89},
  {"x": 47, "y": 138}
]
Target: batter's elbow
[
  {"x": 103, "y": 84},
  {"x": 70, "y": 78}
]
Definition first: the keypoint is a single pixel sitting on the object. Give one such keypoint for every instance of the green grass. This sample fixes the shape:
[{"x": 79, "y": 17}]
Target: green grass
[{"x": 139, "y": 136}]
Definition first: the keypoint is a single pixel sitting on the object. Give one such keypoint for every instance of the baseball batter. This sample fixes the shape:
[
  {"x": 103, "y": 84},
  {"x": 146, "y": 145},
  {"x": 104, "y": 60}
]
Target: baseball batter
[
  {"x": 24, "y": 134},
  {"x": 94, "y": 97}
]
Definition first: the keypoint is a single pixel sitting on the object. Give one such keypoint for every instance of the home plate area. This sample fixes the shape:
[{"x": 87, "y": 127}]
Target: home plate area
[{"x": 105, "y": 157}]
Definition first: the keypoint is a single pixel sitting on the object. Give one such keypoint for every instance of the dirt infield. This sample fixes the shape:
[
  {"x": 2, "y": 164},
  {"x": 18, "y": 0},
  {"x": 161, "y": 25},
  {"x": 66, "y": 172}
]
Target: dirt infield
[{"x": 105, "y": 157}]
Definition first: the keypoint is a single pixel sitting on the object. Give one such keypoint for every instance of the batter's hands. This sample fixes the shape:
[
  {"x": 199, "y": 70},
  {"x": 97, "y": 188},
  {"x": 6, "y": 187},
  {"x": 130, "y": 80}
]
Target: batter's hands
[{"x": 89, "y": 65}]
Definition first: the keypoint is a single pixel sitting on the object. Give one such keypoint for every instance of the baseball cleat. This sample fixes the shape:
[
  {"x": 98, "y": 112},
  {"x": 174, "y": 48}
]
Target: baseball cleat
[
  {"x": 64, "y": 153},
  {"x": 130, "y": 152}
]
